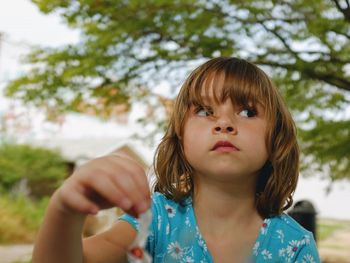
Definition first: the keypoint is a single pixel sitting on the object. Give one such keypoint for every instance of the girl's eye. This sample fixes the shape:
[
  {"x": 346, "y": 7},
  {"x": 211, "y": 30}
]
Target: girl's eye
[
  {"x": 248, "y": 112},
  {"x": 204, "y": 112}
]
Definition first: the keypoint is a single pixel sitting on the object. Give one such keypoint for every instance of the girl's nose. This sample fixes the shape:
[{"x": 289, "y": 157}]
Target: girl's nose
[{"x": 224, "y": 127}]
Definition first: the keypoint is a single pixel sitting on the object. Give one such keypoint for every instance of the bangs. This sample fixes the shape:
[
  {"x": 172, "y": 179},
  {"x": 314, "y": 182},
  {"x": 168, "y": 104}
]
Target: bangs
[{"x": 244, "y": 84}]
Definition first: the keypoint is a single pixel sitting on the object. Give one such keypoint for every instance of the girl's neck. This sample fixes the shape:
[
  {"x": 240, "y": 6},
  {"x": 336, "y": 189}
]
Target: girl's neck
[{"x": 223, "y": 205}]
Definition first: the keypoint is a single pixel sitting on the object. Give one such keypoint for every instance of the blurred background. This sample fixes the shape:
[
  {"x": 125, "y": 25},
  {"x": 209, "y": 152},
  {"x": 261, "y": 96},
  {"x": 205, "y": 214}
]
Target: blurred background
[{"x": 85, "y": 78}]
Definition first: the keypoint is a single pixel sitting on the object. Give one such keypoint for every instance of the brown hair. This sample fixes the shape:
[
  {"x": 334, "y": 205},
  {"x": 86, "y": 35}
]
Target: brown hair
[{"x": 244, "y": 83}]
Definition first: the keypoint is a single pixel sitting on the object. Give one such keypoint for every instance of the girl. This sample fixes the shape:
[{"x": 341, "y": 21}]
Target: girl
[{"x": 226, "y": 170}]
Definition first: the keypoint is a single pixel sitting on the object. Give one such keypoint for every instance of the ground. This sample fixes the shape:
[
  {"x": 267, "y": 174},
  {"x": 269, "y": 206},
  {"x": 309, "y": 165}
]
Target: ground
[
  {"x": 15, "y": 253},
  {"x": 336, "y": 248}
]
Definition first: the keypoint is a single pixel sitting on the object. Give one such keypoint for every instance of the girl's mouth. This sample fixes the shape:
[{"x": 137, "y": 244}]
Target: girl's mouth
[{"x": 224, "y": 146}]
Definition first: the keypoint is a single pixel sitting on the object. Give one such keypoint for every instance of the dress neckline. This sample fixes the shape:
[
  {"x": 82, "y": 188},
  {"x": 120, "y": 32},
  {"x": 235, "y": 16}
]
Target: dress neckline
[{"x": 259, "y": 240}]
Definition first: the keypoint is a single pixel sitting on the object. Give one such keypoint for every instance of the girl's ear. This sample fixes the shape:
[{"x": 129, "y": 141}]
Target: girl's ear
[{"x": 264, "y": 176}]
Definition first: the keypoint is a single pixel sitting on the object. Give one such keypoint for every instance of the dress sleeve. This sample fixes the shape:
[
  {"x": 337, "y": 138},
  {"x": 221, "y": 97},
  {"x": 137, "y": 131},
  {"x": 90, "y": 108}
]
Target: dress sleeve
[
  {"x": 309, "y": 252},
  {"x": 131, "y": 220}
]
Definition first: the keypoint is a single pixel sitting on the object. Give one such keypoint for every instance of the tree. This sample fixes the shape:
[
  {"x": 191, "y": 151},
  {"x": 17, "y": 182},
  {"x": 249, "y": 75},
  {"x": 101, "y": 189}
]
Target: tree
[{"x": 127, "y": 47}]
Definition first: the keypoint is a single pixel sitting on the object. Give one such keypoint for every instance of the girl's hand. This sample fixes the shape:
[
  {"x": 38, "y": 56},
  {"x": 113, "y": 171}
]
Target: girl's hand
[{"x": 110, "y": 181}]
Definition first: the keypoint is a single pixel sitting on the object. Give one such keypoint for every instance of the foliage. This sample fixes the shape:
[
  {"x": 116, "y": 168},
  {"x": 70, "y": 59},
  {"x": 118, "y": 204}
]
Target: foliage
[
  {"x": 128, "y": 47},
  {"x": 20, "y": 218},
  {"x": 42, "y": 169}
]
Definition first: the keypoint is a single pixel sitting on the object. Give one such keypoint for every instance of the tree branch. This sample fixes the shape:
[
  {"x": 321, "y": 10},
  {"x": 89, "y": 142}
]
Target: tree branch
[
  {"x": 283, "y": 41},
  {"x": 330, "y": 78},
  {"x": 340, "y": 33},
  {"x": 345, "y": 10}
]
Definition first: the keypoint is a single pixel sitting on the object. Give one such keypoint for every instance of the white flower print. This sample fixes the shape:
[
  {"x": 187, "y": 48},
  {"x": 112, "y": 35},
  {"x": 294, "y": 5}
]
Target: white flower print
[
  {"x": 202, "y": 244},
  {"x": 284, "y": 218},
  {"x": 167, "y": 229},
  {"x": 171, "y": 211},
  {"x": 197, "y": 231},
  {"x": 187, "y": 222},
  {"x": 308, "y": 259},
  {"x": 200, "y": 240},
  {"x": 282, "y": 252},
  {"x": 188, "y": 260},
  {"x": 159, "y": 222},
  {"x": 280, "y": 235},
  {"x": 265, "y": 226},
  {"x": 306, "y": 240},
  {"x": 255, "y": 248},
  {"x": 292, "y": 248},
  {"x": 175, "y": 250},
  {"x": 266, "y": 254},
  {"x": 136, "y": 224}
]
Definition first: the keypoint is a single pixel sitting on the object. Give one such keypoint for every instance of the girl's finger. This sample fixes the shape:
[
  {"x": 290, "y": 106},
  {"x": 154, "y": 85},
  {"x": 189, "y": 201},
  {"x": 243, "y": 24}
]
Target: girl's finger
[
  {"x": 136, "y": 172},
  {"x": 108, "y": 191},
  {"x": 77, "y": 202},
  {"x": 129, "y": 187}
]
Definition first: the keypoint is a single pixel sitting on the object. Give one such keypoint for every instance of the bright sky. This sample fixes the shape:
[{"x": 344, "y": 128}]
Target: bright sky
[{"x": 22, "y": 24}]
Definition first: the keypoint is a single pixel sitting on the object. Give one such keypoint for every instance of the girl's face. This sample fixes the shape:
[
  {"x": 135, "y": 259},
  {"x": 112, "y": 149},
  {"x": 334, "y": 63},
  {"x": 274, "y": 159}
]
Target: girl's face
[{"x": 225, "y": 142}]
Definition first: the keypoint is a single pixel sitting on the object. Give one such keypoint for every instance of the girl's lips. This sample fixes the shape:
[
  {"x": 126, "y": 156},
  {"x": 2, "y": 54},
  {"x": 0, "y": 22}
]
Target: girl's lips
[{"x": 224, "y": 146}]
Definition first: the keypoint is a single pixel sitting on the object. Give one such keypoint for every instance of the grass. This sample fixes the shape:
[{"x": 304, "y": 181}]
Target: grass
[
  {"x": 20, "y": 218},
  {"x": 326, "y": 227}
]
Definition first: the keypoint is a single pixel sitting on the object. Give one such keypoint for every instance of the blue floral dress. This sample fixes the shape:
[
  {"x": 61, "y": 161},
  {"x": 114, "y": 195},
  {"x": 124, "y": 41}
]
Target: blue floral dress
[{"x": 175, "y": 236}]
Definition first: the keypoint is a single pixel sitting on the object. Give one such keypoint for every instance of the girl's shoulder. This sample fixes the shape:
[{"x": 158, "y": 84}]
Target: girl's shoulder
[
  {"x": 163, "y": 206},
  {"x": 290, "y": 227},
  {"x": 283, "y": 238}
]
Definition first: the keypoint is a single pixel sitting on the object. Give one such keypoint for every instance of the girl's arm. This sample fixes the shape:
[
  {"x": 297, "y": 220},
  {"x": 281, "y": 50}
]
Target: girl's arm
[
  {"x": 102, "y": 183},
  {"x": 59, "y": 238},
  {"x": 110, "y": 246}
]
